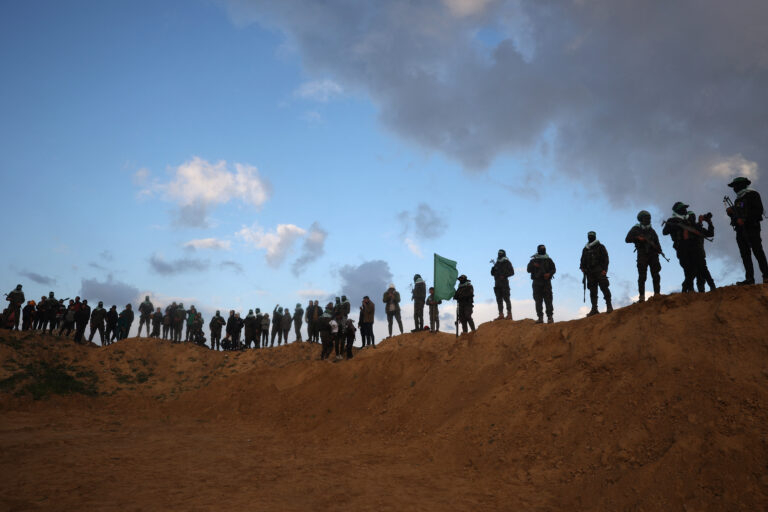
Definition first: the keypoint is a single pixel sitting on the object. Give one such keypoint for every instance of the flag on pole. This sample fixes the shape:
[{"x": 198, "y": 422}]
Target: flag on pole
[{"x": 445, "y": 278}]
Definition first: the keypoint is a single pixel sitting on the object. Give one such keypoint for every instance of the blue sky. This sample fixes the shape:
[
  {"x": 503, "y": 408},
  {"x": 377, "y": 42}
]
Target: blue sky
[{"x": 132, "y": 130}]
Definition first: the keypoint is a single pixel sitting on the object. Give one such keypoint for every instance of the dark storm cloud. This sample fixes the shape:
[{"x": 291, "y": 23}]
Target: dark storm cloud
[
  {"x": 312, "y": 248},
  {"x": 109, "y": 291},
  {"x": 179, "y": 266},
  {"x": 369, "y": 278},
  {"x": 646, "y": 101},
  {"x": 38, "y": 278}
]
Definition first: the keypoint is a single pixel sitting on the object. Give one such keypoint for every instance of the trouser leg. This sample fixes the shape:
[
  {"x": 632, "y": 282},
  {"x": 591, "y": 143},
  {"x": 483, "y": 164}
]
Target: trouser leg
[
  {"x": 390, "y": 317},
  {"x": 399, "y": 321},
  {"x": 746, "y": 254},
  {"x": 756, "y": 245}
]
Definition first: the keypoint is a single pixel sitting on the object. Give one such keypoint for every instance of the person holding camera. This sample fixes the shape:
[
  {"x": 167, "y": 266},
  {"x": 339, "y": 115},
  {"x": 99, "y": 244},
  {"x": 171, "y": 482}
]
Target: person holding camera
[{"x": 700, "y": 255}]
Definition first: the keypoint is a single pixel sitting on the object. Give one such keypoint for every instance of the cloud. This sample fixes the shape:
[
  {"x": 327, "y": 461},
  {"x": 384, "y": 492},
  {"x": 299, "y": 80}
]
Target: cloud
[
  {"x": 179, "y": 266},
  {"x": 312, "y": 249},
  {"x": 413, "y": 247},
  {"x": 369, "y": 278},
  {"x": 106, "y": 255},
  {"x": 423, "y": 221},
  {"x": 208, "y": 243},
  {"x": 199, "y": 185},
  {"x": 278, "y": 243},
  {"x": 319, "y": 90},
  {"x": 314, "y": 294},
  {"x": 232, "y": 265},
  {"x": 38, "y": 278},
  {"x": 97, "y": 266},
  {"x": 628, "y": 93},
  {"x": 109, "y": 291},
  {"x": 735, "y": 165}
]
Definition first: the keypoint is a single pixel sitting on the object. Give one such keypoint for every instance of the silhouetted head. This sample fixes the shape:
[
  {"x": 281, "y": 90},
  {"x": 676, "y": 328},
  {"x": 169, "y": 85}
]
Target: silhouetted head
[
  {"x": 541, "y": 249},
  {"x": 680, "y": 208},
  {"x": 591, "y": 236},
  {"x": 644, "y": 217},
  {"x": 739, "y": 184}
]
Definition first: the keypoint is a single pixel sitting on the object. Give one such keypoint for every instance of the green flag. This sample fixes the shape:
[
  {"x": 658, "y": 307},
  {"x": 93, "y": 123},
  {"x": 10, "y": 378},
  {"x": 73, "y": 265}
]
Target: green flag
[{"x": 445, "y": 278}]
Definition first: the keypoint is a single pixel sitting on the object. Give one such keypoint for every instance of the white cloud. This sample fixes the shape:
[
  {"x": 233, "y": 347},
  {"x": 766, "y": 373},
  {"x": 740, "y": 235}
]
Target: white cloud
[
  {"x": 462, "y": 8},
  {"x": 319, "y": 90},
  {"x": 413, "y": 247},
  {"x": 198, "y": 185},
  {"x": 312, "y": 293},
  {"x": 735, "y": 165},
  {"x": 208, "y": 243},
  {"x": 277, "y": 243}
]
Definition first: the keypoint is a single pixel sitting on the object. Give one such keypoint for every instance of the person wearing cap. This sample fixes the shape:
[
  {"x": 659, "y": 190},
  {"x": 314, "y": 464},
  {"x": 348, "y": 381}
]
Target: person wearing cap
[
  {"x": 594, "y": 266},
  {"x": 542, "y": 269},
  {"x": 392, "y": 300},
  {"x": 501, "y": 271},
  {"x": 298, "y": 315},
  {"x": 465, "y": 297},
  {"x": 15, "y": 299},
  {"x": 647, "y": 246},
  {"x": 746, "y": 215},
  {"x": 684, "y": 237},
  {"x": 418, "y": 296}
]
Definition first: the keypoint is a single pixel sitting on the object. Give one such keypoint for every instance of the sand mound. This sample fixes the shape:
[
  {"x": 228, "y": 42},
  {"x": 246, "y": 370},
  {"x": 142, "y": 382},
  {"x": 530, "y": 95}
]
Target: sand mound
[{"x": 658, "y": 406}]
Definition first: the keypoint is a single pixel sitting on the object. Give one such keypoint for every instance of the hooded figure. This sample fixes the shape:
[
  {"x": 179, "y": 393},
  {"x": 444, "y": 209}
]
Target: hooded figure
[
  {"x": 594, "y": 266},
  {"x": 419, "y": 296},
  {"x": 501, "y": 271},
  {"x": 542, "y": 269}
]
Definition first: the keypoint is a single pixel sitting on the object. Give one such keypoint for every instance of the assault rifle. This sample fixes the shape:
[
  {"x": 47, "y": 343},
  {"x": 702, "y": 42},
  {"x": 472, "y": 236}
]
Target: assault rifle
[{"x": 584, "y": 285}]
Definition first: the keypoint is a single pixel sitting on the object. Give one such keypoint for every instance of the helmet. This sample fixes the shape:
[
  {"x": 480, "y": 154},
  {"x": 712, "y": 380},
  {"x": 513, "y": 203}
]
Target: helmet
[
  {"x": 744, "y": 182},
  {"x": 641, "y": 214}
]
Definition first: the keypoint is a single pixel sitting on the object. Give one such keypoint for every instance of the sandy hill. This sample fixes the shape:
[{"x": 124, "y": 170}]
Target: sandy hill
[{"x": 658, "y": 406}]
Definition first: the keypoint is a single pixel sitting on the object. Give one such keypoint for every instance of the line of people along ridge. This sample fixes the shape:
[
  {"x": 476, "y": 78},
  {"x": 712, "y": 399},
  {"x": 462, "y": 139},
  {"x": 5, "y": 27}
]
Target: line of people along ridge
[{"x": 335, "y": 330}]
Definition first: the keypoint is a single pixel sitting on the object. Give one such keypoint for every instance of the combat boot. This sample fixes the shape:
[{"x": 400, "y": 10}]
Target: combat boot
[
  {"x": 550, "y": 320},
  {"x": 509, "y": 316},
  {"x": 593, "y": 311},
  {"x": 608, "y": 306},
  {"x": 540, "y": 320},
  {"x": 641, "y": 298}
]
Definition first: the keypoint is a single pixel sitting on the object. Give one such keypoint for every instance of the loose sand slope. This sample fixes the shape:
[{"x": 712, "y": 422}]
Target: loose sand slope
[{"x": 658, "y": 406}]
